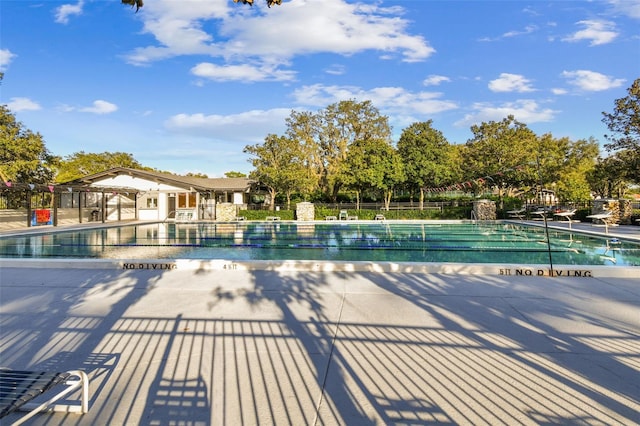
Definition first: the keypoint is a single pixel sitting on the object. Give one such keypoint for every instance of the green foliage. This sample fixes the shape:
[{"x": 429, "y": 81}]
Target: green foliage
[
  {"x": 429, "y": 160},
  {"x": 279, "y": 165},
  {"x": 506, "y": 150},
  {"x": 624, "y": 123},
  {"x": 139, "y": 3},
  {"x": 263, "y": 214},
  {"x": 82, "y": 163},
  {"x": 326, "y": 137},
  {"x": 23, "y": 154},
  {"x": 607, "y": 177},
  {"x": 372, "y": 164},
  {"x": 250, "y": 2}
]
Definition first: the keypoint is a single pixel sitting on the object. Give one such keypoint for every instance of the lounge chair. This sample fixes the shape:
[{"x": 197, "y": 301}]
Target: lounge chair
[
  {"x": 540, "y": 214},
  {"x": 18, "y": 388},
  {"x": 603, "y": 217},
  {"x": 567, "y": 214},
  {"x": 517, "y": 214}
]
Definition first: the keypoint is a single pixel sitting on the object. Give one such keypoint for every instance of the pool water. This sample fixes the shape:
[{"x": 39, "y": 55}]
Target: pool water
[{"x": 390, "y": 242}]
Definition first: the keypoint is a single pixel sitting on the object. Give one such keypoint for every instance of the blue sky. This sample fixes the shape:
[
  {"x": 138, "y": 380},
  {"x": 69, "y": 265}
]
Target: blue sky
[{"x": 184, "y": 86}]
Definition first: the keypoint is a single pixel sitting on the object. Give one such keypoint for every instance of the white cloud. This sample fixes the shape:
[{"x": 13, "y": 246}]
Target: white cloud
[
  {"x": 335, "y": 69},
  {"x": 527, "y": 30},
  {"x": 250, "y": 126},
  {"x": 100, "y": 107},
  {"x": 591, "y": 81},
  {"x": 277, "y": 34},
  {"x": 598, "y": 31},
  {"x": 514, "y": 33},
  {"x": 23, "y": 104},
  {"x": 66, "y": 10},
  {"x": 246, "y": 73},
  {"x": 630, "y": 8},
  {"x": 524, "y": 110},
  {"x": 559, "y": 91},
  {"x": 5, "y": 58},
  {"x": 389, "y": 100},
  {"x": 435, "y": 80},
  {"x": 510, "y": 83}
]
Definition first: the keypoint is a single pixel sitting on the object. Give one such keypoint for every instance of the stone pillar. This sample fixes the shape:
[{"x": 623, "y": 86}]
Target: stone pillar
[
  {"x": 484, "y": 210},
  {"x": 626, "y": 211},
  {"x": 305, "y": 212},
  {"x": 225, "y": 212}
]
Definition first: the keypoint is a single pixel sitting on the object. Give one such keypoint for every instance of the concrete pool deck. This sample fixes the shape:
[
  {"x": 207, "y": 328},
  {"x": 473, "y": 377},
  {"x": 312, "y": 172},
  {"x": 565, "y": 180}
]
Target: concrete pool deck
[{"x": 205, "y": 345}]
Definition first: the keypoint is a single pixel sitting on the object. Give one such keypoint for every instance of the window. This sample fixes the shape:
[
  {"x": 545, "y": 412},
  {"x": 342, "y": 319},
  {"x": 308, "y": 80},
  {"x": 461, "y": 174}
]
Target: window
[
  {"x": 186, "y": 200},
  {"x": 152, "y": 203}
]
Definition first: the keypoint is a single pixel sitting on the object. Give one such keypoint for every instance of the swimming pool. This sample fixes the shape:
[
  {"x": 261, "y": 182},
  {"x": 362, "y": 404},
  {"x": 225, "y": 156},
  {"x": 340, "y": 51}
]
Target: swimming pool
[{"x": 459, "y": 242}]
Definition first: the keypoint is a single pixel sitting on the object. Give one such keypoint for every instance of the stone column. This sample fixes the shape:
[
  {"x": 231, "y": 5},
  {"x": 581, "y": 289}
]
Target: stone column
[
  {"x": 626, "y": 211},
  {"x": 225, "y": 212},
  {"x": 305, "y": 212},
  {"x": 484, "y": 210}
]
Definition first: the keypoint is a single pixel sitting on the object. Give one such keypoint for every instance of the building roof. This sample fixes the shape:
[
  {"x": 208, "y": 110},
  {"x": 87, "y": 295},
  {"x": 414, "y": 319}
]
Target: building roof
[{"x": 187, "y": 182}]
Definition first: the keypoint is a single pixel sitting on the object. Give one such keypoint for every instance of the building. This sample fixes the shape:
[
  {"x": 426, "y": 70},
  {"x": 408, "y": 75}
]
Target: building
[{"x": 162, "y": 196}]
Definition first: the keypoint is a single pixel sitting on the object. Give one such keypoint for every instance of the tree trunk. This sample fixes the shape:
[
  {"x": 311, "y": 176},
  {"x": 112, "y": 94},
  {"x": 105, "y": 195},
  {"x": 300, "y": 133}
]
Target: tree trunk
[
  {"x": 273, "y": 194},
  {"x": 421, "y": 199},
  {"x": 387, "y": 199}
]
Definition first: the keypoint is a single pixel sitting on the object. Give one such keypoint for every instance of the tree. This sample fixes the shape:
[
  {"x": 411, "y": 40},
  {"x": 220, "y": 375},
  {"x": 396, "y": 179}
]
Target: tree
[
  {"x": 327, "y": 136},
  {"x": 506, "y": 151},
  {"x": 81, "y": 163},
  {"x": 197, "y": 175},
  {"x": 372, "y": 164},
  {"x": 425, "y": 153},
  {"x": 139, "y": 3},
  {"x": 624, "y": 123},
  {"x": 579, "y": 160},
  {"x": 278, "y": 166},
  {"x": 233, "y": 174},
  {"x": 23, "y": 154},
  {"x": 607, "y": 178}
]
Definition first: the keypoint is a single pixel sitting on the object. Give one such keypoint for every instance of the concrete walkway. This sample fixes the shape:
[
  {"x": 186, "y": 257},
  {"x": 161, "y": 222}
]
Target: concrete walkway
[{"x": 198, "y": 346}]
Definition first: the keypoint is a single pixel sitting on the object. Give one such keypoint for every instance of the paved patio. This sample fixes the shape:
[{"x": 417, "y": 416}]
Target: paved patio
[{"x": 220, "y": 346}]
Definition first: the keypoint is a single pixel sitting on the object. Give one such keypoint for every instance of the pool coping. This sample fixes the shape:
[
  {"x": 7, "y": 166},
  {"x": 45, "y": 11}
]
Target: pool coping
[
  {"x": 485, "y": 269},
  {"x": 488, "y": 269}
]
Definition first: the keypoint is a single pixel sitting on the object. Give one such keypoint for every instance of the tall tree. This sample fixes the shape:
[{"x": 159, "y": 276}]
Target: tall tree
[
  {"x": 82, "y": 163},
  {"x": 23, "y": 154},
  {"x": 372, "y": 164},
  {"x": 579, "y": 159},
  {"x": 425, "y": 153},
  {"x": 278, "y": 166},
  {"x": 328, "y": 134},
  {"x": 501, "y": 150},
  {"x": 624, "y": 125},
  {"x": 607, "y": 177},
  {"x": 304, "y": 128}
]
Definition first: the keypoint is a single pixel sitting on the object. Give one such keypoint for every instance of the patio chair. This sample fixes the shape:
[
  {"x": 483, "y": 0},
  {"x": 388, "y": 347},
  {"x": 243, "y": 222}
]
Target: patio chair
[
  {"x": 603, "y": 217},
  {"x": 567, "y": 214},
  {"x": 18, "y": 388},
  {"x": 517, "y": 214}
]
